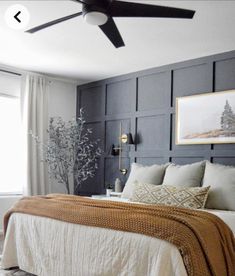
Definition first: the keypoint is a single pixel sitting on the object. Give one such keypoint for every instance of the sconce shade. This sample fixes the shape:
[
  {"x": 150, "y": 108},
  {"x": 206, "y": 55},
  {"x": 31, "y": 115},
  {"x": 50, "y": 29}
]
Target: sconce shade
[
  {"x": 130, "y": 139},
  {"x": 114, "y": 150},
  {"x": 127, "y": 139}
]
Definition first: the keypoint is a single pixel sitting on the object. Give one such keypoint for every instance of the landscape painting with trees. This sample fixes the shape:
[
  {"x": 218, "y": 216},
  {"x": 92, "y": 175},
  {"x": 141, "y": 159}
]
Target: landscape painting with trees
[{"x": 206, "y": 118}]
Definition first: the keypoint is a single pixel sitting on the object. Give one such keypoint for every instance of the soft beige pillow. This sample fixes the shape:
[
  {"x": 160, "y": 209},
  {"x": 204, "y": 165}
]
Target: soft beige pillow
[
  {"x": 194, "y": 197},
  {"x": 150, "y": 174},
  {"x": 184, "y": 176},
  {"x": 222, "y": 181}
]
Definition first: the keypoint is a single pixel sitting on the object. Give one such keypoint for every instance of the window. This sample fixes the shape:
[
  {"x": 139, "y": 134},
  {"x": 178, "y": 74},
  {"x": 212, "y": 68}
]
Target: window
[{"x": 11, "y": 146}]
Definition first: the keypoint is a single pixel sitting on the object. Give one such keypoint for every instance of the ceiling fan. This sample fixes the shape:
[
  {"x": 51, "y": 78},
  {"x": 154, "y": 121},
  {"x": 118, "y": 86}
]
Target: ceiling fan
[{"x": 101, "y": 13}]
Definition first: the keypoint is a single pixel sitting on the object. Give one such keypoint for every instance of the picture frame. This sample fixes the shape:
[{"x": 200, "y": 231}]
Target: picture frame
[{"x": 207, "y": 118}]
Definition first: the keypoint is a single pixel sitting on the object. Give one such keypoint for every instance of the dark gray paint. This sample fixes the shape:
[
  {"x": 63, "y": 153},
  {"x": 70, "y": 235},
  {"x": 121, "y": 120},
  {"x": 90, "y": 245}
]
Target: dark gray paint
[
  {"x": 151, "y": 133},
  {"x": 149, "y": 160},
  {"x": 145, "y": 103},
  {"x": 111, "y": 169},
  {"x": 117, "y": 102},
  {"x": 94, "y": 93},
  {"x": 149, "y": 86},
  {"x": 224, "y": 81}
]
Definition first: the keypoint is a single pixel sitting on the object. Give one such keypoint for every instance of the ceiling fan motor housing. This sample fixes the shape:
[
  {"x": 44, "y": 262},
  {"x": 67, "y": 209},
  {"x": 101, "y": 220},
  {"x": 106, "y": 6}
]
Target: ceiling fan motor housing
[{"x": 96, "y": 14}]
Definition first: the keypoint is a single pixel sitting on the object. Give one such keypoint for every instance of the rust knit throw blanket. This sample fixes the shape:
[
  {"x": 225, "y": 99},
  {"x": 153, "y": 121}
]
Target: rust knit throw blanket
[{"x": 205, "y": 242}]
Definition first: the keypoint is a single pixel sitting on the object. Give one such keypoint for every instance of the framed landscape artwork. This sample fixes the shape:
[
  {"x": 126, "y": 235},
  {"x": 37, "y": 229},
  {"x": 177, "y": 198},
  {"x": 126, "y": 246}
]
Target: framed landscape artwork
[{"x": 206, "y": 118}]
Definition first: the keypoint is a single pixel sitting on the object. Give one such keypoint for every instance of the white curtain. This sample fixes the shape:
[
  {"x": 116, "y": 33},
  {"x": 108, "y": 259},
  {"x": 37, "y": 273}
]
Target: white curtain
[{"x": 35, "y": 119}]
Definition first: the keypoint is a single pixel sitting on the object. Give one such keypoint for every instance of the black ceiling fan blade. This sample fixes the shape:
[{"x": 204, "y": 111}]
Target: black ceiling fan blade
[
  {"x": 80, "y": 1},
  {"x": 111, "y": 31},
  {"x": 54, "y": 22},
  {"x": 92, "y": 2},
  {"x": 127, "y": 9}
]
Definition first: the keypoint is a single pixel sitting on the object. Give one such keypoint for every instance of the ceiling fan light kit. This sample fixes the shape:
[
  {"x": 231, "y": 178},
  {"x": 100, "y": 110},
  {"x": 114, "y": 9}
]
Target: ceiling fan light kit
[
  {"x": 101, "y": 13},
  {"x": 94, "y": 15},
  {"x": 95, "y": 18}
]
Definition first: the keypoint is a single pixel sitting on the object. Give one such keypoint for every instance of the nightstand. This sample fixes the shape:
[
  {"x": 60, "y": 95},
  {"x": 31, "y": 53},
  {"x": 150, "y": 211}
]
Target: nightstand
[
  {"x": 115, "y": 194},
  {"x": 99, "y": 196},
  {"x": 112, "y": 198},
  {"x": 112, "y": 195}
]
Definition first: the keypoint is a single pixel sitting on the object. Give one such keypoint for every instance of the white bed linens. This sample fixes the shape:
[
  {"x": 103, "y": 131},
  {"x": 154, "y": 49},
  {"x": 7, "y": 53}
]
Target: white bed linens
[
  {"x": 47, "y": 247},
  {"x": 227, "y": 216}
]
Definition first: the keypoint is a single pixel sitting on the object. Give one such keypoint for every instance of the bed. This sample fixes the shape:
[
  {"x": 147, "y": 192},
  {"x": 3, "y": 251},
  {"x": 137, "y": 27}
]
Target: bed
[
  {"x": 85, "y": 251},
  {"x": 48, "y": 247}
]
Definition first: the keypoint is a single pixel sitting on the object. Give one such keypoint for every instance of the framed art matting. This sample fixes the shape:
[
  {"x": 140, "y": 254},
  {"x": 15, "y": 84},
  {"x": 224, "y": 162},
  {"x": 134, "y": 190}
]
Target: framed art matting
[{"x": 206, "y": 118}]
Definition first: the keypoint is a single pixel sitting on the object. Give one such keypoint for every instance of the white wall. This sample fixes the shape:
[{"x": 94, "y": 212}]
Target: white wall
[
  {"x": 10, "y": 84},
  {"x": 62, "y": 103},
  {"x": 62, "y": 99}
]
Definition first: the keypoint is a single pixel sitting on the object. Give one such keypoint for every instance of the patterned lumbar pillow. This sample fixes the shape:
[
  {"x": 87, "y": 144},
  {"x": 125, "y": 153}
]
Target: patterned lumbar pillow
[{"x": 170, "y": 195}]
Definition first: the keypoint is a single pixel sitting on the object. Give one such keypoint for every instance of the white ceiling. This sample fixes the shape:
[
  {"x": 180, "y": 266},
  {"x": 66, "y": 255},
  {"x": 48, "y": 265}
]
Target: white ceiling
[{"x": 76, "y": 50}]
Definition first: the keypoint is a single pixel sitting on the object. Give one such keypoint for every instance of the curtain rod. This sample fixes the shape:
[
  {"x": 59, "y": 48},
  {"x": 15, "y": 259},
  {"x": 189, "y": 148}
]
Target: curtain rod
[{"x": 9, "y": 72}]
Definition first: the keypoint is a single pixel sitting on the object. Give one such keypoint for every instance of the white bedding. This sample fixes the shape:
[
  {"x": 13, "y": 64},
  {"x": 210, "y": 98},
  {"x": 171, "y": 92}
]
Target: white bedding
[
  {"x": 227, "y": 216},
  {"x": 47, "y": 247}
]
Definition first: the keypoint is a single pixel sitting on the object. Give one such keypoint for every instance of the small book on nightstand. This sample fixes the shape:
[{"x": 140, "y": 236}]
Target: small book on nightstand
[
  {"x": 112, "y": 194},
  {"x": 98, "y": 196},
  {"x": 117, "y": 194}
]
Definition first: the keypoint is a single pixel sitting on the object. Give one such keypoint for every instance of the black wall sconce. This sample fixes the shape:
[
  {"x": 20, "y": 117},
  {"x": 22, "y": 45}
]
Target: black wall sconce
[{"x": 124, "y": 138}]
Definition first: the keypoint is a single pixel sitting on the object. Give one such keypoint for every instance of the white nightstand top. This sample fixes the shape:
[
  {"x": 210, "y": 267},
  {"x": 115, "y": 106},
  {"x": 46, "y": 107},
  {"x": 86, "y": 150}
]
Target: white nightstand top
[
  {"x": 112, "y": 194},
  {"x": 112, "y": 198},
  {"x": 98, "y": 196},
  {"x": 117, "y": 194}
]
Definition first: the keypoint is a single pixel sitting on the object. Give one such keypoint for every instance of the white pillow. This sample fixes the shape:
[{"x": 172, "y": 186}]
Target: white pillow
[
  {"x": 148, "y": 174},
  {"x": 221, "y": 178},
  {"x": 184, "y": 176}
]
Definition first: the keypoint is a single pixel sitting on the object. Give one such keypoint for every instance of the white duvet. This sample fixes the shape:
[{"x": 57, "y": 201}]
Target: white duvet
[{"x": 47, "y": 247}]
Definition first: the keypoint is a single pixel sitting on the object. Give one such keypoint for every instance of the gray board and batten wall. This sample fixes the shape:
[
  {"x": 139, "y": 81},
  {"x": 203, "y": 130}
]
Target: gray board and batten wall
[{"x": 144, "y": 102}]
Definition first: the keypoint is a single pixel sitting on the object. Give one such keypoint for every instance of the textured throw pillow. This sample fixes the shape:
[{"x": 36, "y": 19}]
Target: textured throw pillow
[
  {"x": 184, "y": 176},
  {"x": 150, "y": 174},
  {"x": 169, "y": 195},
  {"x": 222, "y": 181}
]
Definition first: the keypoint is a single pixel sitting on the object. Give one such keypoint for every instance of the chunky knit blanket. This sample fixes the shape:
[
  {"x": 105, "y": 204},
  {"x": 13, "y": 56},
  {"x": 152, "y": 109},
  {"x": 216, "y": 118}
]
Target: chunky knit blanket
[{"x": 205, "y": 242}]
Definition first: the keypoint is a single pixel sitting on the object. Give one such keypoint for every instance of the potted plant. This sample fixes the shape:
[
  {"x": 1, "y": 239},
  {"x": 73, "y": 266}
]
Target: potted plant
[{"x": 69, "y": 152}]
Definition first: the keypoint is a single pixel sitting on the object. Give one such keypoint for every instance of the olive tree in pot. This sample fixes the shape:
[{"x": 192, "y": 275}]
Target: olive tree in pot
[{"x": 69, "y": 152}]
